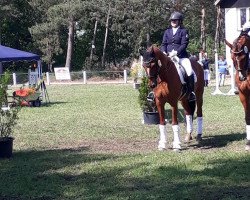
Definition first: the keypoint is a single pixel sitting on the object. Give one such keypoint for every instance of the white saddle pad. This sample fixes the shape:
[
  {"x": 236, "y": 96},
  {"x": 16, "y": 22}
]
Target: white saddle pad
[{"x": 178, "y": 67}]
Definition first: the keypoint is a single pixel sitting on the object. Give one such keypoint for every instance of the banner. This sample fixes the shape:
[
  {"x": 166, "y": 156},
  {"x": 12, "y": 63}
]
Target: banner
[{"x": 62, "y": 73}]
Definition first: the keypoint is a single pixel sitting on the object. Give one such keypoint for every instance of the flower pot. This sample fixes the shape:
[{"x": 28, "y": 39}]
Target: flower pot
[
  {"x": 151, "y": 117},
  {"x": 6, "y": 147},
  {"x": 136, "y": 85}
]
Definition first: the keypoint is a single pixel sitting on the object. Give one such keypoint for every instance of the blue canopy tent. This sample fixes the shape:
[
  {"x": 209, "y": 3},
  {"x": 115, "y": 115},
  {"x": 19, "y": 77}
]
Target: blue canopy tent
[{"x": 8, "y": 54}]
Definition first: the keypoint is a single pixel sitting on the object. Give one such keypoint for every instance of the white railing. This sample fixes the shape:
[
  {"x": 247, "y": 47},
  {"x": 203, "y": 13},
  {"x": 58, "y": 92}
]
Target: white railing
[{"x": 81, "y": 77}]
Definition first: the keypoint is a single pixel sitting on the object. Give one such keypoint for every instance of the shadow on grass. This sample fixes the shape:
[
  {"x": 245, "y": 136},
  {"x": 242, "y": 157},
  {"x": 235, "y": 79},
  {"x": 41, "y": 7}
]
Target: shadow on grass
[
  {"x": 219, "y": 141},
  {"x": 79, "y": 174},
  {"x": 49, "y": 104}
]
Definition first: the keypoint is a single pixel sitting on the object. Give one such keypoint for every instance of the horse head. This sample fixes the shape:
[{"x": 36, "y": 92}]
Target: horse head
[
  {"x": 151, "y": 66},
  {"x": 240, "y": 54}
]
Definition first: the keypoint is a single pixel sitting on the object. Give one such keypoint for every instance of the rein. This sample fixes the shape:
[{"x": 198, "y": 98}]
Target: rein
[
  {"x": 236, "y": 52},
  {"x": 147, "y": 64}
]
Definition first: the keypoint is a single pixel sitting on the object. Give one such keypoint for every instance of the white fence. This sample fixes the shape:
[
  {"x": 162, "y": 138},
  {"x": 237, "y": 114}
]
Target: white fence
[{"x": 82, "y": 77}]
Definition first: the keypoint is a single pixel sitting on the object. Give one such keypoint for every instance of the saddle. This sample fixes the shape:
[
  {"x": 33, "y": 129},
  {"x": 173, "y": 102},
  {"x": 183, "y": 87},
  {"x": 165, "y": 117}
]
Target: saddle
[{"x": 183, "y": 76}]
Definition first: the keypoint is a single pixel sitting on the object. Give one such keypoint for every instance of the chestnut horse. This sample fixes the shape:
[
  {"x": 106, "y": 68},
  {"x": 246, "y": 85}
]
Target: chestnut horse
[
  {"x": 168, "y": 88},
  {"x": 240, "y": 56}
]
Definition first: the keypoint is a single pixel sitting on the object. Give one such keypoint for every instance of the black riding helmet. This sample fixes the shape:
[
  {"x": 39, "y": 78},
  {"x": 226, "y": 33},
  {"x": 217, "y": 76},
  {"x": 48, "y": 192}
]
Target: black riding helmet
[{"x": 176, "y": 16}]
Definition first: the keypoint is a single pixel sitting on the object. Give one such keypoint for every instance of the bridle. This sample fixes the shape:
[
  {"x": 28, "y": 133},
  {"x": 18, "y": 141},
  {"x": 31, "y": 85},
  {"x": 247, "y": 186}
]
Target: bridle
[
  {"x": 237, "y": 54},
  {"x": 148, "y": 64}
]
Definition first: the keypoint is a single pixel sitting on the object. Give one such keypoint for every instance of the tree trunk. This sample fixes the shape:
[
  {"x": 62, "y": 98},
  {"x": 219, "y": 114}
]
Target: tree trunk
[
  {"x": 218, "y": 25},
  {"x": 70, "y": 43},
  {"x": 93, "y": 44},
  {"x": 105, "y": 40},
  {"x": 203, "y": 28},
  {"x": 49, "y": 54},
  {"x": 148, "y": 40}
]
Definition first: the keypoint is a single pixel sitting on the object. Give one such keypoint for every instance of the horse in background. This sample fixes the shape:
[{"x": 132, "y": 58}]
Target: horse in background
[
  {"x": 168, "y": 87},
  {"x": 240, "y": 56}
]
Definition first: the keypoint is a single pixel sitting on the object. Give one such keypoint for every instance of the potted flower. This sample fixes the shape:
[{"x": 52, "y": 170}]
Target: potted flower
[
  {"x": 136, "y": 73},
  {"x": 8, "y": 119},
  {"x": 147, "y": 103}
]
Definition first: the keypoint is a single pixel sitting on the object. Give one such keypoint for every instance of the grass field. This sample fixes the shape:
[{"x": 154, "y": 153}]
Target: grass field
[{"x": 89, "y": 143}]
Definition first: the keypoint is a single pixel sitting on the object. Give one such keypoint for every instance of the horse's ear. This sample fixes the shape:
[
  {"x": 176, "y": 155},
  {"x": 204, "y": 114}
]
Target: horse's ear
[
  {"x": 228, "y": 44},
  {"x": 142, "y": 50}
]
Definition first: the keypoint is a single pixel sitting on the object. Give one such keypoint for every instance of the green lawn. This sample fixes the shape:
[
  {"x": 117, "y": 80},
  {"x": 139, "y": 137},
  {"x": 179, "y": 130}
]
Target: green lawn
[{"x": 89, "y": 143}]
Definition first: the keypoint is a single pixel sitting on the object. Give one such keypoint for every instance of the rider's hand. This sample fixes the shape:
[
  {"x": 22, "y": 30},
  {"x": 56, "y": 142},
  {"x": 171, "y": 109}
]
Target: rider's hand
[
  {"x": 173, "y": 53},
  {"x": 165, "y": 53}
]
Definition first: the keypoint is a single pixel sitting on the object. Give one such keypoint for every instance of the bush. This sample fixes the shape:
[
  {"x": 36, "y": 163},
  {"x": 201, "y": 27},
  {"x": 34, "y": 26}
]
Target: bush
[{"x": 144, "y": 90}]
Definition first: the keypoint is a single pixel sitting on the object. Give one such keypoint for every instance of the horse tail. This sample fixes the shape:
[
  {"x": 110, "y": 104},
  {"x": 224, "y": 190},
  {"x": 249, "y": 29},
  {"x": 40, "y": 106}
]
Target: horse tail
[{"x": 192, "y": 105}]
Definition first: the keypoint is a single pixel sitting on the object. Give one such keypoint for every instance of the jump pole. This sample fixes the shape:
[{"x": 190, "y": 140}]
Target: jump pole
[
  {"x": 217, "y": 90},
  {"x": 232, "y": 90}
]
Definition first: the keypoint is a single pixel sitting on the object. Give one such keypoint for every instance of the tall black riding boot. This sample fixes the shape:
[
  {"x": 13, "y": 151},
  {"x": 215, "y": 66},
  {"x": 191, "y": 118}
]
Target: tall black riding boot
[
  {"x": 206, "y": 83},
  {"x": 190, "y": 84}
]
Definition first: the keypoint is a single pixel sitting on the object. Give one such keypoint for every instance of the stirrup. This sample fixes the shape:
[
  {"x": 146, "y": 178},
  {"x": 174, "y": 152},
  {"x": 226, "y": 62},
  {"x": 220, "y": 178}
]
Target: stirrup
[
  {"x": 151, "y": 96},
  {"x": 192, "y": 97}
]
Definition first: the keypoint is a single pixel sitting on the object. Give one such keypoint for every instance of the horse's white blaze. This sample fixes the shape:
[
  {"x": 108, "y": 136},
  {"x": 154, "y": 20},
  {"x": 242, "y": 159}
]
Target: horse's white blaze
[
  {"x": 163, "y": 133},
  {"x": 189, "y": 123},
  {"x": 248, "y": 131},
  {"x": 199, "y": 125}
]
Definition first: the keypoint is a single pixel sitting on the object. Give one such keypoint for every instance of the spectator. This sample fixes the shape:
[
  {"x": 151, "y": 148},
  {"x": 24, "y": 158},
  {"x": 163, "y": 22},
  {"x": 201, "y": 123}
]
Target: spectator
[
  {"x": 205, "y": 62},
  {"x": 222, "y": 69}
]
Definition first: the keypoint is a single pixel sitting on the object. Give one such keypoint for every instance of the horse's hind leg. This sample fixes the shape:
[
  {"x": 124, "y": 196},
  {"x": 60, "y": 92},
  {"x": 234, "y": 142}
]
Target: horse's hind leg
[
  {"x": 247, "y": 118},
  {"x": 199, "y": 98},
  {"x": 189, "y": 120}
]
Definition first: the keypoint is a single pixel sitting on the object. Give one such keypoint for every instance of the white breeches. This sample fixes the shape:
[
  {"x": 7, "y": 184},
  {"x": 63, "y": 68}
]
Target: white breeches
[
  {"x": 206, "y": 74},
  {"x": 185, "y": 62}
]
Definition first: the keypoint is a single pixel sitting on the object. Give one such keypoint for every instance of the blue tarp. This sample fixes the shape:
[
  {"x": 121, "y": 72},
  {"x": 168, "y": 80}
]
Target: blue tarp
[{"x": 9, "y": 54}]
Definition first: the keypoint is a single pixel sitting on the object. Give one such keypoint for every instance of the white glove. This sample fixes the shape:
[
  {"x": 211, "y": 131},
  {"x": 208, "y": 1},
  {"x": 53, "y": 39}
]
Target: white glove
[
  {"x": 165, "y": 53},
  {"x": 246, "y": 26},
  {"x": 172, "y": 53}
]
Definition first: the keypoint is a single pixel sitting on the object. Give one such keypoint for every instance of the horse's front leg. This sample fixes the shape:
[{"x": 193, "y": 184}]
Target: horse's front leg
[
  {"x": 175, "y": 127},
  {"x": 162, "y": 126}
]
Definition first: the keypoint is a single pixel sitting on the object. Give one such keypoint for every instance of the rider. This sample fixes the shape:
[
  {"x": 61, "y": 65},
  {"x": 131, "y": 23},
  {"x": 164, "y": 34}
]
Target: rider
[
  {"x": 174, "y": 43},
  {"x": 246, "y": 28}
]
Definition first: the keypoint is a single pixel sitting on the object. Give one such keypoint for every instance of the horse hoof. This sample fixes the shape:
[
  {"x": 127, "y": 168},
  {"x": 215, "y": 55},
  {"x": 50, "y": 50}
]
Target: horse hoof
[
  {"x": 247, "y": 148},
  {"x": 188, "y": 138},
  {"x": 161, "y": 149},
  {"x": 198, "y": 138},
  {"x": 176, "y": 147},
  {"x": 176, "y": 150}
]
